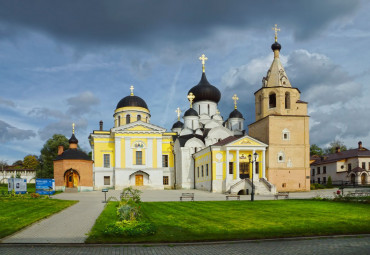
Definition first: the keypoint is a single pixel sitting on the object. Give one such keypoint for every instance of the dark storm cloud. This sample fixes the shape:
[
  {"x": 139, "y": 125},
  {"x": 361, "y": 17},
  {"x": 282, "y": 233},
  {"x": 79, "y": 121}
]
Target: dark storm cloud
[
  {"x": 147, "y": 21},
  {"x": 10, "y": 133}
]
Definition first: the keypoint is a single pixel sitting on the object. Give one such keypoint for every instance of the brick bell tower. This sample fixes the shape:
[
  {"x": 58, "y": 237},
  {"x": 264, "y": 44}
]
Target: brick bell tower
[{"x": 282, "y": 123}]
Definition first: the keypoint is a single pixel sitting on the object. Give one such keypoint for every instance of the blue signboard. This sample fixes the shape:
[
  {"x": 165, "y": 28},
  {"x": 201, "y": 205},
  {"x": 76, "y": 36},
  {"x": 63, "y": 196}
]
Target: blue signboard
[{"x": 45, "y": 186}]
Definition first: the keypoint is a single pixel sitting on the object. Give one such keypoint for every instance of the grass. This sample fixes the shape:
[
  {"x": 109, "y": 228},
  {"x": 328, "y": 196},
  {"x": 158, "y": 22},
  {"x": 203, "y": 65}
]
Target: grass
[
  {"x": 233, "y": 220},
  {"x": 17, "y": 213}
]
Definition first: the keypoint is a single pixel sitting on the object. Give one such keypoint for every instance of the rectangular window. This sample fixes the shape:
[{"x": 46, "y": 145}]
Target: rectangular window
[
  {"x": 313, "y": 172},
  {"x": 106, "y": 180},
  {"x": 324, "y": 180},
  {"x": 165, "y": 180},
  {"x": 257, "y": 167},
  {"x": 318, "y": 170},
  {"x": 198, "y": 171},
  {"x": 106, "y": 160},
  {"x": 324, "y": 169},
  {"x": 207, "y": 170},
  {"x": 164, "y": 160},
  {"x": 349, "y": 167},
  {"x": 139, "y": 158},
  {"x": 231, "y": 167},
  {"x": 202, "y": 171},
  {"x": 318, "y": 180},
  {"x": 283, "y": 185},
  {"x": 369, "y": 165},
  {"x": 363, "y": 165}
]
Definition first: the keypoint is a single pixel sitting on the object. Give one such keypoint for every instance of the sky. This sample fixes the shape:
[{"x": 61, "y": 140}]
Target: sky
[{"x": 72, "y": 61}]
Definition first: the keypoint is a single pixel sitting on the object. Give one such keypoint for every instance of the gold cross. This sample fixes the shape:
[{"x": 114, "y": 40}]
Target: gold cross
[
  {"x": 132, "y": 90},
  {"x": 203, "y": 58},
  {"x": 191, "y": 98},
  {"x": 178, "y": 113},
  {"x": 73, "y": 128},
  {"x": 235, "y": 98},
  {"x": 276, "y": 29},
  {"x": 217, "y": 112}
]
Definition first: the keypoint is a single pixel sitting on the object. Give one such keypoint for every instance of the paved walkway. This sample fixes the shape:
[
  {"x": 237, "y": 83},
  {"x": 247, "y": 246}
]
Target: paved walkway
[
  {"x": 72, "y": 224},
  {"x": 319, "y": 246}
]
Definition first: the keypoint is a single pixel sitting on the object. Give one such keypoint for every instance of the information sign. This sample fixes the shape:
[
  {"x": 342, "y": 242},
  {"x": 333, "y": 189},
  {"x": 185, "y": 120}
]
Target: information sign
[
  {"x": 45, "y": 186},
  {"x": 19, "y": 185}
]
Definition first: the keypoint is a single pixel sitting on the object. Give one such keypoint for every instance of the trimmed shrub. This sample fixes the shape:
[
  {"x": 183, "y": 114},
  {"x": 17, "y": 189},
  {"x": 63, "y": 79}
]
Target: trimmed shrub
[{"x": 130, "y": 229}]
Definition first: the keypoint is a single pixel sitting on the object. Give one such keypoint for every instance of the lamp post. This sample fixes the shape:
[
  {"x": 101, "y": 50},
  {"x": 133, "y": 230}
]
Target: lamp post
[{"x": 252, "y": 161}]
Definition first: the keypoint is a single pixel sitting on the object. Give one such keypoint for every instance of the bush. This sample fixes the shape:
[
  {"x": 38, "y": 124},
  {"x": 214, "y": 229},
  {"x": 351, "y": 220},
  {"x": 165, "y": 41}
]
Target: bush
[
  {"x": 128, "y": 212},
  {"x": 317, "y": 186},
  {"x": 330, "y": 183},
  {"x": 130, "y": 229},
  {"x": 35, "y": 195}
]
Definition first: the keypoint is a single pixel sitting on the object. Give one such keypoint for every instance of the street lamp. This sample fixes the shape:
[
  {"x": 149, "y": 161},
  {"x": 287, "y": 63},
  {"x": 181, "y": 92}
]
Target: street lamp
[{"x": 252, "y": 161}]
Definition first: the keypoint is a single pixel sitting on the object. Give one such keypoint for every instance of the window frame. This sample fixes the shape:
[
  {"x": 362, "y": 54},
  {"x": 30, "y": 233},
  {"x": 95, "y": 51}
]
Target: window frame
[
  {"x": 165, "y": 162},
  {"x": 139, "y": 155},
  {"x": 106, "y": 155},
  {"x": 165, "y": 180}
]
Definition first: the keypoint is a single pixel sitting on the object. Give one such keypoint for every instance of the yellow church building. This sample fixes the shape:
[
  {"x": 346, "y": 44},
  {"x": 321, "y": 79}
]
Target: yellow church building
[{"x": 206, "y": 151}]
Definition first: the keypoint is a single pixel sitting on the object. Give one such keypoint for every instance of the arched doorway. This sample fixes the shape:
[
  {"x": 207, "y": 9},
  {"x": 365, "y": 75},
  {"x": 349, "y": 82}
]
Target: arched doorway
[
  {"x": 71, "y": 178},
  {"x": 363, "y": 179}
]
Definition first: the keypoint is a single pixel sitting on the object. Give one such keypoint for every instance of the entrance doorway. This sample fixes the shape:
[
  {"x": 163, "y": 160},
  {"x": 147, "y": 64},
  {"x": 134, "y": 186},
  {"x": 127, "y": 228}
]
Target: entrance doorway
[
  {"x": 363, "y": 179},
  {"x": 71, "y": 178},
  {"x": 138, "y": 180},
  {"x": 243, "y": 170},
  {"x": 353, "y": 177}
]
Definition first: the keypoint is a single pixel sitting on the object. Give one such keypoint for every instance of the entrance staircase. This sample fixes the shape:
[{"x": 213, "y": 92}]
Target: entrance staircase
[
  {"x": 71, "y": 190},
  {"x": 261, "y": 187}
]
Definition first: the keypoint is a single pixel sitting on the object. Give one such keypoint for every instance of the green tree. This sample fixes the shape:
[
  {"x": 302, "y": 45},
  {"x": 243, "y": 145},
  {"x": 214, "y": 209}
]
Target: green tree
[
  {"x": 329, "y": 184},
  {"x": 48, "y": 153},
  {"x": 334, "y": 145},
  {"x": 30, "y": 162},
  {"x": 315, "y": 150}
]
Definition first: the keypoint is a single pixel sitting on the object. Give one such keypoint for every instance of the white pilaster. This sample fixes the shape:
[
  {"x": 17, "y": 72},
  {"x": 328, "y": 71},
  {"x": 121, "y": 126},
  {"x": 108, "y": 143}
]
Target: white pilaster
[
  {"x": 237, "y": 164},
  {"x": 159, "y": 152},
  {"x": 117, "y": 155},
  {"x": 255, "y": 176},
  {"x": 227, "y": 163},
  {"x": 149, "y": 154},
  {"x": 263, "y": 165},
  {"x": 128, "y": 152}
]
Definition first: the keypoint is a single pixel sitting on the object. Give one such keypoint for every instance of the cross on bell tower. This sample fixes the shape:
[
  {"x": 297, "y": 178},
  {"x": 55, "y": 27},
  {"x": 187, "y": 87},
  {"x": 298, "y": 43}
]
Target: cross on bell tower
[
  {"x": 276, "y": 29},
  {"x": 132, "y": 90},
  {"x": 191, "y": 98},
  {"x": 235, "y": 98},
  {"x": 203, "y": 58},
  {"x": 73, "y": 128}
]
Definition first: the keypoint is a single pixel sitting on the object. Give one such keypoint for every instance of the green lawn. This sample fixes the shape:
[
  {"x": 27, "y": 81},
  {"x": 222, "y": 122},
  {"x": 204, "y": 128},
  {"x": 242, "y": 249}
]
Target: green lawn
[
  {"x": 232, "y": 220},
  {"x": 17, "y": 213}
]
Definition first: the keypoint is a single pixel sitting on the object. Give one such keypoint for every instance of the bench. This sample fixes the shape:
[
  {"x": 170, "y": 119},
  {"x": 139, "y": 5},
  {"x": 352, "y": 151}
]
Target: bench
[
  {"x": 232, "y": 195},
  {"x": 187, "y": 195},
  {"x": 281, "y": 194}
]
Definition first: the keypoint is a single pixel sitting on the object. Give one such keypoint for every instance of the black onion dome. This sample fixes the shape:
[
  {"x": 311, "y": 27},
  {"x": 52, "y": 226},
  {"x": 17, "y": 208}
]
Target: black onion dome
[
  {"x": 73, "y": 139},
  {"x": 205, "y": 91},
  {"x": 191, "y": 112},
  {"x": 178, "y": 124},
  {"x": 236, "y": 114},
  {"x": 276, "y": 46},
  {"x": 134, "y": 101}
]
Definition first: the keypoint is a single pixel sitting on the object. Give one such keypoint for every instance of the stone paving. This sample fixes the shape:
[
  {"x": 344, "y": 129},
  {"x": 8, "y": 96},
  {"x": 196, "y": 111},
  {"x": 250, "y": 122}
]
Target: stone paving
[
  {"x": 317, "y": 246},
  {"x": 72, "y": 224}
]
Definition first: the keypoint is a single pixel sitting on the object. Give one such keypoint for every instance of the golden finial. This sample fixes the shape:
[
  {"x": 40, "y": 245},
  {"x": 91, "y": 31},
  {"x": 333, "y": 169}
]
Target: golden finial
[
  {"x": 132, "y": 90},
  {"x": 178, "y": 111},
  {"x": 191, "y": 98},
  {"x": 203, "y": 58},
  {"x": 235, "y": 98},
  {"x": 276, "y": 29},
  {"x": 73, "y": 128}
]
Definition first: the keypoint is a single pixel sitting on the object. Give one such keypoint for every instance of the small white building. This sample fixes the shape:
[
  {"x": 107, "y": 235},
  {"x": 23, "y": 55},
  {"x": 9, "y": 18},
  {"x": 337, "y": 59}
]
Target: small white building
[{"x": 351, "y": 166}]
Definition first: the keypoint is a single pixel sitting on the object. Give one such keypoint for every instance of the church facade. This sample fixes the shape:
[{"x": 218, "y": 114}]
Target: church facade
[{"x": 205, "y": 151}]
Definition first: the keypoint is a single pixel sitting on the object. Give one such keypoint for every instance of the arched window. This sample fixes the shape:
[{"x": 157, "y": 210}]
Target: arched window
[
  {"x": 119, "y": 121},
  {"x": 272, "y": 100},
  {"x": 199, "y": 109},
  {"x": 138, "y": 117},
  {"x": 240, "y": 126},
  {"x": 146, "y": 119},
  {"x": 208, "y": 109},
  {"x": 281, "y": 157},
  {"x": 128, "y": 119},
  {"x": 287, "y": 100},
  {"x": 260, "y": 104}
]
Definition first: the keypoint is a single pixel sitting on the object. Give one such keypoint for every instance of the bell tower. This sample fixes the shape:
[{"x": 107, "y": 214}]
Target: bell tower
[{"x": 282, "y": 123}]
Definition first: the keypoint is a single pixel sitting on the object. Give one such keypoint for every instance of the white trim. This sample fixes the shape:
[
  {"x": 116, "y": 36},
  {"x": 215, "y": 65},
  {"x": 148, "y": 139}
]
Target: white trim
[{"x": 117, "y": 155}]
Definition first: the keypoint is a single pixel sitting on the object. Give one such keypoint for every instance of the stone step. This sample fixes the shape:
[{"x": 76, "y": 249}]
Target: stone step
[{"x": 71, "y": 190}]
